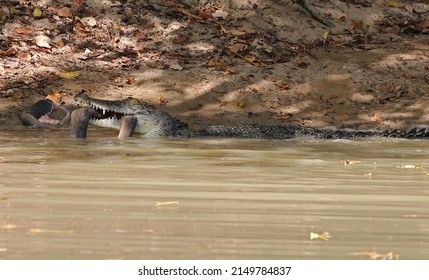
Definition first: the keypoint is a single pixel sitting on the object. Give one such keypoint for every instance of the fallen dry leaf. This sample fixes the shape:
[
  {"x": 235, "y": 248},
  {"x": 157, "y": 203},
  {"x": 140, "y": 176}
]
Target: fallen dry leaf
[
  {"x": 23, "y": 30},
  {"x": 58, "y": 41},
  {"x": 237, "y": 47},
  {"x": 70, "y": 75},
  {"x": 24, "y": 56},
  {"x": 325, "y": 36},
  {"x": 341, "y": 19},
  {"x": 174, "y": 64},
  {"x": 237, "y": 32},
  {"x": 43, "y": 41},
  {"x": 90, "y": 21},
  {"x": 424, "y": 24},
  {"x": 8, "y": 52},
  {"x": 214, "y": 63},
  {"x": 330, "y": 110},
  {"x": 220, "y": 14},
  {"x": 345, "y": 117},
  {"x": 377, "y": 118},
  {"x": 162, "y": 100},
  {"x": 37, "y": 12},
  {"x": 78, "y": 4},
  {"x": 392, "y": 4},
  {"x": 131, "y": 80},
  {"x": 241, "y": 104},
  {"x": 168, "y": 3},
  {"x": 178, "y": 40},
  {"x": 205, "y": 13},
  {"x": 65, "y": 12}
]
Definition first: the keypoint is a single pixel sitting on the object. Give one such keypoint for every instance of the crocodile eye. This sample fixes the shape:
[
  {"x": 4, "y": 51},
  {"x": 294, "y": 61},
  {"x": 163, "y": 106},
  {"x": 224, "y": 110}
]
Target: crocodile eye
[{"x": 134, "y": 101}]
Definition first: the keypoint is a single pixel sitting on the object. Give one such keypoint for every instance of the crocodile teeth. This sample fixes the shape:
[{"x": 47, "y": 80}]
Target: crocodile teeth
[{"x": 104, "y": 111}]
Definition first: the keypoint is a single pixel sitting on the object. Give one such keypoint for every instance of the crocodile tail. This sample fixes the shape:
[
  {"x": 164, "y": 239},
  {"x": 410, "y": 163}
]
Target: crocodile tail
[
  {"x": 413, "y": 133},
  {"x": 250, "y": 131},
  {"x": 327, "y": 133},
  {"x": 283, "y": 132},
  {"x": 291, "y": 131}
]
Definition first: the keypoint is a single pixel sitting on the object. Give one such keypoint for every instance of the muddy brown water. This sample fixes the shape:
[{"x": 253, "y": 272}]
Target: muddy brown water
[{"x": 102, "y": 198}]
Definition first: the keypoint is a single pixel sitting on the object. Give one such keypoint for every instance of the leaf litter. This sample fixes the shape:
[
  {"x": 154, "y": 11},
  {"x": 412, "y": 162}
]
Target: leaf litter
[{"x": 51, "y": 37}]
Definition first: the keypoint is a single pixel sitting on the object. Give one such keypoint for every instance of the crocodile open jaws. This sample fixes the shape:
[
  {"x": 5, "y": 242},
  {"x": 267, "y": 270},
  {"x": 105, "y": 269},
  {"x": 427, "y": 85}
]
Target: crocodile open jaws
[{"x": 129, "y": 116}]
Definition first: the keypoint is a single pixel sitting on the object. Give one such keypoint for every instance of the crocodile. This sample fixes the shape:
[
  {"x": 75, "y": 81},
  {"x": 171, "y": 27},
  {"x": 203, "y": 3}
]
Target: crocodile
[{"x": 130, "y": 116}]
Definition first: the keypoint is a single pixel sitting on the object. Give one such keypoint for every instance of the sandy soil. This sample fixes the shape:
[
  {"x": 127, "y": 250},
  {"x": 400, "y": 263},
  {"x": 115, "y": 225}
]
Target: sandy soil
[{"x": 266, "y": 62}]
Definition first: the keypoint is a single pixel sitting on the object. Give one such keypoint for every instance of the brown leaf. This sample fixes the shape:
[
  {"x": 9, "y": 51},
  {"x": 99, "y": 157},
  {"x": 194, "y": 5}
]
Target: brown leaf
[
  {"x": 283, "y": 85},
  {"x": 24, "y": 56},
  {"x": 179, "y": 40},
  {"x": 8, "y": 52},
  {"x": 237, "y": 32},
  {"x": 330, "y": 110},
  {"x": 424, "y": 24},
  {"x": 377, "y": 118},
  {"x": 341, "y": 19},
  {"x": 104, "y": 69},
  {"x": 215, "y": 63},
  {"x": 205, "y": 13},
  {"x": 23, "y": 30},
  {"x": 162, "y": 100},
  {"x": 237, "y": 48},
  {"x": 78, "y": 4},
  {"x": 131, "y": 80},
  {"x": 65, "y": 12},
  {"x": 223, "y": 104},
  {"x": 58, "y": 41},
  {"x": 118, "y": 81},
  {"x": 168, "y": 3}
]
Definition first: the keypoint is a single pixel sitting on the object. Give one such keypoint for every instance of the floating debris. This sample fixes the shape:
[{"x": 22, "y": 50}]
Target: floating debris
[
  {"x": 410, "y": 166},
  {"x": 350, "y": 162},
  {"x": 324, "y": 236},
  {"x": 8, "y": 226},
  {"x": 41, "y": 230},
  {"x": 411, "y": 216},
  {"x": 373, "y": 255},
  {"x": 164, "y": 203}
]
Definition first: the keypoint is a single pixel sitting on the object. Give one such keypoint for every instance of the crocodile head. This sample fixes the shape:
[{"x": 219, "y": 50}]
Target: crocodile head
[{"x": 110, "y": 111}]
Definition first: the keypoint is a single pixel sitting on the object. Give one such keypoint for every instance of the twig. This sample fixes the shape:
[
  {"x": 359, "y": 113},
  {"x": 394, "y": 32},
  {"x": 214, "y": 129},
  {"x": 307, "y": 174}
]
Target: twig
[
  {"x": 314, "y": 13},
  {"x": 243, "y": 57}
]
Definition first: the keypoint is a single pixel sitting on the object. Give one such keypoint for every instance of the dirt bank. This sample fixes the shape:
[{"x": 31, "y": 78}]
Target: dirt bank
[{"x": 263, "y": 62}]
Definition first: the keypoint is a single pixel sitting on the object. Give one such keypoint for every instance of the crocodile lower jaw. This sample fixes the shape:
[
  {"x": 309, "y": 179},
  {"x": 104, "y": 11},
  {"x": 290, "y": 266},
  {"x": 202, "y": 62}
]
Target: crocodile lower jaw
[{"x": 109, "y": 123}]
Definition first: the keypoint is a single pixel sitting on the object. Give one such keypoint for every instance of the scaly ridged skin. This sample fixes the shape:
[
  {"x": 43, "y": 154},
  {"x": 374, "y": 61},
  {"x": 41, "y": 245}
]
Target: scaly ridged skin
[{"x": 154, "y": 123}]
